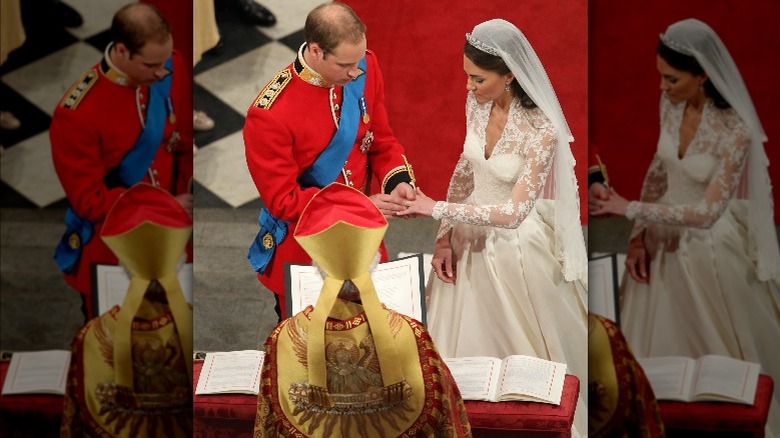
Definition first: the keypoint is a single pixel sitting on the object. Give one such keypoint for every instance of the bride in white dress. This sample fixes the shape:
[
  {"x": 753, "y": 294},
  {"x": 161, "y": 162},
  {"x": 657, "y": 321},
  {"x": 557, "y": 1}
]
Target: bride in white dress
[
  {"x": 510, "y": 258},
  {"x": 703, "y": 261}
]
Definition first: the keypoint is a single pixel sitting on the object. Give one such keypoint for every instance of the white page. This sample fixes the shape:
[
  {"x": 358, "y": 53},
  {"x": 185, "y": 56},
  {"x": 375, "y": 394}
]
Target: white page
[
  {"x": 37, "y": 372},
  {"x": 726, "y": 376},
  {"x": 532, "y": 376},
  {"x": 112, "y": 283},
  {"x": 476, "y": 377},
  {"x": 427, "y": 258},
  {"x": 602, "y": 287},
  {"x": 397, "y": 284},
  {"x": 230, "y": 372},
  {"x": 670, "y": 377}
]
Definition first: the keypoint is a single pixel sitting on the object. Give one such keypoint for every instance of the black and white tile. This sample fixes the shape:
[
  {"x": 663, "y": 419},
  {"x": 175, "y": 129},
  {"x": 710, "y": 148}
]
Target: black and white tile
[{"x": 226, "y": 81}]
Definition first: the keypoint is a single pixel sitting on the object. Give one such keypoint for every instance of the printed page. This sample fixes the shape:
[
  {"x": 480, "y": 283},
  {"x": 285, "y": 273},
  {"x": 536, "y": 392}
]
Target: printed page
[
  {"x": 670, "y": 377},
  {"x": 231, "y": 372},
  {"x": 37, "y": 372},
  {"x": 476, "y": 377},
  {"x": 398, "y": 285},
  {"x": 531, "y": 378},
  {"x": 112, "y": 282},
  {"x": 725, "y": 378}
]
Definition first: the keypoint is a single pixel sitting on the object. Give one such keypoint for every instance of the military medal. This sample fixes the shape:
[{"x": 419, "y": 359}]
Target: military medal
[
  {"x": 171, "y": 115},
  {"x": 364, "y": 110},
  {"x": 365, "y": 145},
  {"x": 173, "y": 141}
]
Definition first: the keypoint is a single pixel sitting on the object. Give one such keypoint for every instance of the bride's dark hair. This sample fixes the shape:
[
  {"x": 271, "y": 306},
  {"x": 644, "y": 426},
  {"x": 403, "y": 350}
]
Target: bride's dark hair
[
  {"x": 489, "y": 62},
  {"x": 688, "y": 63}
]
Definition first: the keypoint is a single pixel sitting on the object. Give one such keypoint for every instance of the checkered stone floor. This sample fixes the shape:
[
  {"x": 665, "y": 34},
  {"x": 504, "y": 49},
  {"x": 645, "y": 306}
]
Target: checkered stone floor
[{"x": 226, "y": 80}]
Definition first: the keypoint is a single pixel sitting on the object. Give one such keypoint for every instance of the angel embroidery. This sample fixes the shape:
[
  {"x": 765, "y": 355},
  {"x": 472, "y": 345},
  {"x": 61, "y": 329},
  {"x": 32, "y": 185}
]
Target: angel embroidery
[{"x": 348, "y": 373}]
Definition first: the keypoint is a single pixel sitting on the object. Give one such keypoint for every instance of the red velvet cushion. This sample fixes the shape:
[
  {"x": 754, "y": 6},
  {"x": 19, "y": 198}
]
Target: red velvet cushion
[
  {"x": 218, "y": 415},
  {"x": 534, "y": 419},
  {"x": 719, "y": 417},
  {"x": 234, "y": 414},
  {"x": 36, "y": 415}
]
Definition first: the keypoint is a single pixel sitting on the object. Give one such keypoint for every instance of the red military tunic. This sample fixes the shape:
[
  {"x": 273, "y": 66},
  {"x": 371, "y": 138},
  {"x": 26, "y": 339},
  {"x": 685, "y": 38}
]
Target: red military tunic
[
  {"x": 290, "y": 122},
  {"x": 95, "y": 124}
]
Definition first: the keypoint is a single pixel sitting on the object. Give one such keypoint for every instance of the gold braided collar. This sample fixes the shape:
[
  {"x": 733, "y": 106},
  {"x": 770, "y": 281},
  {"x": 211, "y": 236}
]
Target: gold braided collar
[
  {"x": 307, "y": 73},
  {"x": 110, "y": 71}
]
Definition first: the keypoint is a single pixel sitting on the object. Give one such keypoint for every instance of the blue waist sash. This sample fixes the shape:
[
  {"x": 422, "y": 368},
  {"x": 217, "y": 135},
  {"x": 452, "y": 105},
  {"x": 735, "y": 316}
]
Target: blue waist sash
[
  {"x": 129, "y": 172},
  {"x": 322, "y": 172}
]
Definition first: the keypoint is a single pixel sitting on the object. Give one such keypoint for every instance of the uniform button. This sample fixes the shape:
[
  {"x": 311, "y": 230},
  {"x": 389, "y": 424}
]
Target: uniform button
[
  {"x": 154, "y": 171},
  {"x": 349, "y": 173},
  {"x": 336, "y": 107},
  {"x": 351, "y": 184}
]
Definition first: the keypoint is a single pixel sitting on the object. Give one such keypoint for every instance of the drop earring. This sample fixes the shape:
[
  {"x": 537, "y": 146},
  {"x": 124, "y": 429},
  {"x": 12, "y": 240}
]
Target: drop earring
[{"x": 507, "y": 87}]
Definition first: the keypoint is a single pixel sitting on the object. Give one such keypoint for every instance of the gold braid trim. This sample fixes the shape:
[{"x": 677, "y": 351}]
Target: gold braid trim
[
  {"x": 600, "y": 167},
  {"x": 410, "y": 170},
  {"x": 395, "y": 171}
]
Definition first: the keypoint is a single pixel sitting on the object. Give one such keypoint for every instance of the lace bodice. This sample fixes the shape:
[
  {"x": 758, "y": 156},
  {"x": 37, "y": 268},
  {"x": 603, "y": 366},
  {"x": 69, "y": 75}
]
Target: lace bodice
[
  {"x": 693, "y": 190},
  {"x": 499, "y": 190}
]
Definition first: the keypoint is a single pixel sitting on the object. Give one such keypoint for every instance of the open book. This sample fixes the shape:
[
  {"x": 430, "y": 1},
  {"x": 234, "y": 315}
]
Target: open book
[
  {"x": 37, "y": 372},
  {"x": 110, "y": 283},
  {"x": 231, "y": 372},
  {"x": 399, "y": 285},
  {"x": 708, "y": 378},
  {"x": 518, "y": 378}
]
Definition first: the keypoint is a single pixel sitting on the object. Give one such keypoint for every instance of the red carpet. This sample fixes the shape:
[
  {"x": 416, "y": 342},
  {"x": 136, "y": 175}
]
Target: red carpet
[
  {"x": 624, "y": 83},
  {"x": 420, "y": 49}
]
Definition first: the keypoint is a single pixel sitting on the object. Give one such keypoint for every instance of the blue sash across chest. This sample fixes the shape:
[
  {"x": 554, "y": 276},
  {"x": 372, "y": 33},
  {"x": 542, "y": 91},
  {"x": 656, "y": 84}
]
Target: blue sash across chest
[
  {"x": 130, "y": 170},
  {"x": 322, "y": 172}
]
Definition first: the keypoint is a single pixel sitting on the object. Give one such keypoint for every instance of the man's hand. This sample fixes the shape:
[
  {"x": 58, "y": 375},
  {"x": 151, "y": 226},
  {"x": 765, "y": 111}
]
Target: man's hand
[
  {"x": 185, "y": 200},
  {"x": 404, "y": 191},
  {"x": 394, "y": 202},
  {"x": 596, "y": 192},
  {"x": 422, "y": 206},
  {"x": 614, "y": 204}
]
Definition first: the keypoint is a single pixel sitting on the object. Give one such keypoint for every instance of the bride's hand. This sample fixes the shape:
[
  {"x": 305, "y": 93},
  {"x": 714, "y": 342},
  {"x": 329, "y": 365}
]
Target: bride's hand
[
  {"x": 421, "y": 205},
  {"x": 614, "y": 204}
]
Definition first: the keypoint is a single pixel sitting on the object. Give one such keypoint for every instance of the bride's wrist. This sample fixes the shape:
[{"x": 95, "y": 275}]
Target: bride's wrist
[{"x": 438, "y": 210}]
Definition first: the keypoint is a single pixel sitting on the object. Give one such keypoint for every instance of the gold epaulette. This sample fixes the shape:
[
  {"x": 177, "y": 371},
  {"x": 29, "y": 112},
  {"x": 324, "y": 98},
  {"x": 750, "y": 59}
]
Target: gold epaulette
[
  {"x": 272, "y": 90},
  {"x": 79, "y": 89}
]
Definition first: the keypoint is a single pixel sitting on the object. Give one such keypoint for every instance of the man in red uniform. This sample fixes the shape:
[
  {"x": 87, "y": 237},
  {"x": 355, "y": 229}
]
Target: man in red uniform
[
  {"x": 126, "y": 120},
  {"x": 321, "y": 119}
]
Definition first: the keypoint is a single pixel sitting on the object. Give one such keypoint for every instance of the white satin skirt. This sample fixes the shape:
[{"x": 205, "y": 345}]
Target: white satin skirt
[
  {"x": 510, "y": 297},
  {"x": 704, "y": 298}
]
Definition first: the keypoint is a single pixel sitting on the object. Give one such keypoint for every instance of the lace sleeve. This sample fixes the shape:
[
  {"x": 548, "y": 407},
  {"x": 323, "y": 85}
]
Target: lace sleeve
[
  {"x": 538, "y": 160},
  {"x": 653, "y": 187},
  {"x": 461, "y": 186},
  {"x": 703, "y": 214}
]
